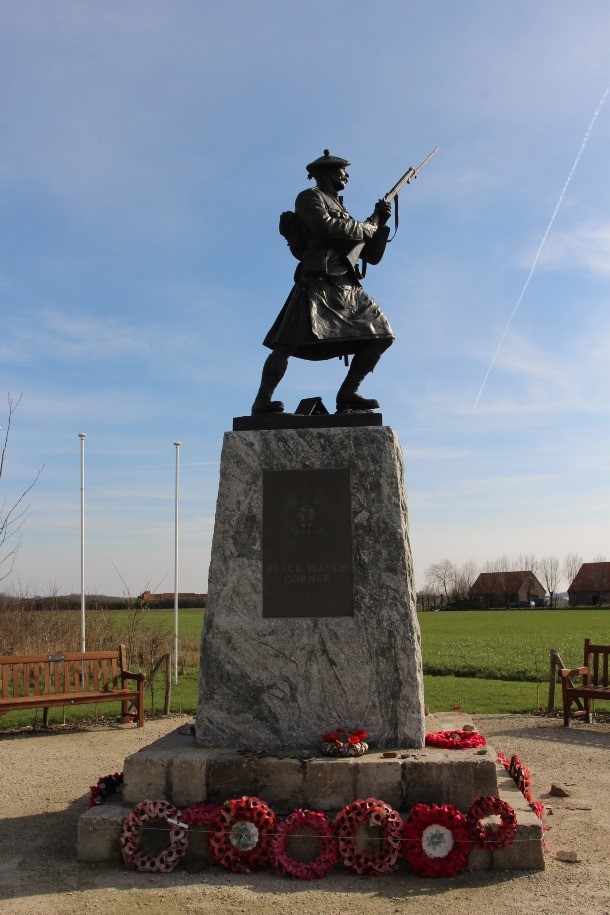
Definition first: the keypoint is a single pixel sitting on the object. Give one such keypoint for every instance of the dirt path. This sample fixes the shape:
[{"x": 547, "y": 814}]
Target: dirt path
[{"x": 45, "y": 787}]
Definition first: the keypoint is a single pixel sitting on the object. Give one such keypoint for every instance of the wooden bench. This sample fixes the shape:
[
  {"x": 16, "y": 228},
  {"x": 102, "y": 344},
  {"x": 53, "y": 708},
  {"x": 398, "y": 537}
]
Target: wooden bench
[
  {"x": 48, "y": 680},
  {"x": 594, "y": 675}
]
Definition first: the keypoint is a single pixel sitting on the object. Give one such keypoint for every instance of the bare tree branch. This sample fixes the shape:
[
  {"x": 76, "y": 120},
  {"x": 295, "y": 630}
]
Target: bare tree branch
[
  {"x": 571, "y": 565},
  {"x": 549, "y": 569},
  {"x": 442, "y": 575},
  {"x": 14, "y": 517}
]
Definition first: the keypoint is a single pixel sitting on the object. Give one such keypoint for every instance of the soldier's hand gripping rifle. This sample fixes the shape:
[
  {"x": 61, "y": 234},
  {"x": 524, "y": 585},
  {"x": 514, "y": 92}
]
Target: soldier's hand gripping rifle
[{"x": 409, "y": 176}]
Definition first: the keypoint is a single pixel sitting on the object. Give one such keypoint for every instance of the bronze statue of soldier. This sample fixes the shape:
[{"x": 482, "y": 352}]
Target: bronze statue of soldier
[{"x": 328, "y": 313}]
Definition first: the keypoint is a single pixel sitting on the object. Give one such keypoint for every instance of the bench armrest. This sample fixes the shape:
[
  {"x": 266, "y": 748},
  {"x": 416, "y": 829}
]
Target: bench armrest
[
  {"x": 574, "y": 672},
  {"x": 127, "y": 675}
]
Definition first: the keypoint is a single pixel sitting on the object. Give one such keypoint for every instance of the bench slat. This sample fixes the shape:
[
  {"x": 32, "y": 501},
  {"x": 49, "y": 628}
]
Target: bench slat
[
  {"x": 16, "y": 670},
  {"x": 55, "y": 677},
  {"x": 89, "y": 665},
  {"x": 26, "y": 702},
  {"x": 590, "y": 692},
  {"x": 77, "y": 676}
]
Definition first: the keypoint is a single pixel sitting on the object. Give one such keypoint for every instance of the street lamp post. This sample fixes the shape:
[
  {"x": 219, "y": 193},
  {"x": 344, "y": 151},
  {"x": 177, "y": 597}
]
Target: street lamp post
[
  {"x": 177, "y": 447},
  {"x": 82, "y": 437}
]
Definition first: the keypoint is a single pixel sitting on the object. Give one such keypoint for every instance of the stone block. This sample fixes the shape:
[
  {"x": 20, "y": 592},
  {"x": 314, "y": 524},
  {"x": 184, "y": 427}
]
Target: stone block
[
  {"x": 187, "y": 778},
  {"x": 449, "y": 777},
  {"x": 99, "y": 829},
  {"x": 230, "y": 775},
  {"x": 281, "y": 782},
  {"x": 480, "y": 859},
  {"x": 145, "y": 776},
  {"x": 380, "y": 778},
  {"x": 525, "y": 852},
  {"x": 330, "y": 784}
]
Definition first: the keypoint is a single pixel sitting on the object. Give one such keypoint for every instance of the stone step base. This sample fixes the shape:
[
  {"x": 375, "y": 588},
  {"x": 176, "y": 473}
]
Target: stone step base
[
  {"x": 174, "y": 769},
  {"x": 99, "y": 829}
]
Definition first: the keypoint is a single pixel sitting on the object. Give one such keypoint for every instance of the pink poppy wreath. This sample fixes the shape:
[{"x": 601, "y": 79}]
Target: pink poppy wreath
[
  {"x": 130, "y": 838},
  {"x": 240, "y": 834},
  {"x": 493, "y": 837},
  {"x": 327, "y": 857},
  {"x": 455, "y": 740},
  {"x": 437, "y": 840},
  {"x": 373, "y": 813}
]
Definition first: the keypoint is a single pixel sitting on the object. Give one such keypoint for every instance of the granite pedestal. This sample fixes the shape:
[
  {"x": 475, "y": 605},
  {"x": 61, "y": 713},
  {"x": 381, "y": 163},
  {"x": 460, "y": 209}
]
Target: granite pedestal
[{"x": 311, "y": 621}]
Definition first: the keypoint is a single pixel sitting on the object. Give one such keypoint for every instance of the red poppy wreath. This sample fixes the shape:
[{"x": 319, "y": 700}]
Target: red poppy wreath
[
  {"x": 455, "y": 740},
  {"x": 328, "y": 854},
  {"x": 240, "y": 834},
  {"x": 437, "y": 840},
  {"x": 370, "y": 812},
  {"x": 492, "y": 836}
]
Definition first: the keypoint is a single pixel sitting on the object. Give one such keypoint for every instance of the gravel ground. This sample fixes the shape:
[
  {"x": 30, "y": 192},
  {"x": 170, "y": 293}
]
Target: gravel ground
[{"x": 45, "y": 786}]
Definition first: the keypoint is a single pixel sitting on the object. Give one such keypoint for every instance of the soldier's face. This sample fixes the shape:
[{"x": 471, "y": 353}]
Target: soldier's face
[{"x": 338, "y": 177}]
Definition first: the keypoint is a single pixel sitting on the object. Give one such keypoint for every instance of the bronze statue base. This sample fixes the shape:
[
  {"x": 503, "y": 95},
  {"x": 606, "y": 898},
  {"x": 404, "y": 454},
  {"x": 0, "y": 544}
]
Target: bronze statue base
[{"x": 300, "y": 421}]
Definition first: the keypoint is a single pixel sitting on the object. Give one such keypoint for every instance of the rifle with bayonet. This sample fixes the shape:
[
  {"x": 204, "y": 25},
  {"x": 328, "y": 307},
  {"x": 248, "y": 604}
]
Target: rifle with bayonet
[{"x": 409, "y": 176}]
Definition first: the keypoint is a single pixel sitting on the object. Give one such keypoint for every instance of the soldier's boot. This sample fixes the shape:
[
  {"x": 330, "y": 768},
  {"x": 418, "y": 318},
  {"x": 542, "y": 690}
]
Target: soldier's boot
[
  {"x": 363, "y": 363},
  {"x": 274, "y": 370}
]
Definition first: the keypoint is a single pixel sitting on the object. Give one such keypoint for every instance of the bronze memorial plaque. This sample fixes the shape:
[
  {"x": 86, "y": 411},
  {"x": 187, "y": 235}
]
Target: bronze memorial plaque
[{"x": 307, "y": 543}]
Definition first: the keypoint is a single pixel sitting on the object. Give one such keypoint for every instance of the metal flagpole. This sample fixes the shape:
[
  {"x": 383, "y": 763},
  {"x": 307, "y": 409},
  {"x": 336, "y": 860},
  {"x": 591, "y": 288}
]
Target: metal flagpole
[
  {"x": 82, "y": 437},
  {"x": 177, "y": 447}
]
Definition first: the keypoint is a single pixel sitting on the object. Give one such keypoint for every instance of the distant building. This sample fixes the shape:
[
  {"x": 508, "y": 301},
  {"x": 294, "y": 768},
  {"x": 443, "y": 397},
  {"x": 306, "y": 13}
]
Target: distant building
[
  {"x": 508, "y": 589},
  {"x": 591, "y": 585}
]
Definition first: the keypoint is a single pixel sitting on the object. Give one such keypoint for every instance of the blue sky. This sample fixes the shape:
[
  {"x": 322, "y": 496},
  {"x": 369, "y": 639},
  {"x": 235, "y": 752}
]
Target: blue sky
[{"x": 147, "y": 150}]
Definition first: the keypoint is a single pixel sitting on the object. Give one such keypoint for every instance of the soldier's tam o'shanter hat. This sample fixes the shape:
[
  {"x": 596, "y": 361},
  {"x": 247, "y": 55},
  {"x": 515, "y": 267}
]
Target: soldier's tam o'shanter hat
[{"x": 327, "y": 161}]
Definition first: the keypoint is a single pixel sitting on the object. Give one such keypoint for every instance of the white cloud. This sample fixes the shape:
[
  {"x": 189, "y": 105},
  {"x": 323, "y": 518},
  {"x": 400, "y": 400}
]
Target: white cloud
[
  {"x": 584, "y": 247},
  {"x": 55, "y": 335}
]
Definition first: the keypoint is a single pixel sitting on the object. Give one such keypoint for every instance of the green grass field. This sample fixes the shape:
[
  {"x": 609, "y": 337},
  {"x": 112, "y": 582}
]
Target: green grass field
[
  {"x": 481, "y": 661},
  {"x": 507, "y": 645}
]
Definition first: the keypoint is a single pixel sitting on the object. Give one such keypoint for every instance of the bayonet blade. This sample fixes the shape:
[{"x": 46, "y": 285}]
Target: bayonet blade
[
  {"x": 417, "y": 170},
  {"x": 409, "y": 176}
]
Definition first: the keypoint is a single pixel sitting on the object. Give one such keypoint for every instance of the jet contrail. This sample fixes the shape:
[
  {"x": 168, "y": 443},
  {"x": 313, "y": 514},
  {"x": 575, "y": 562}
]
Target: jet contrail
[{"x": 541, "y": 246}]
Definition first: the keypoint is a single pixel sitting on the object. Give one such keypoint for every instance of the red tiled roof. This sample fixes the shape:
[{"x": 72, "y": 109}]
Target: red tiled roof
[
  {"x": 592, "y": 576},
  {"x": 501, "y": 582}
]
